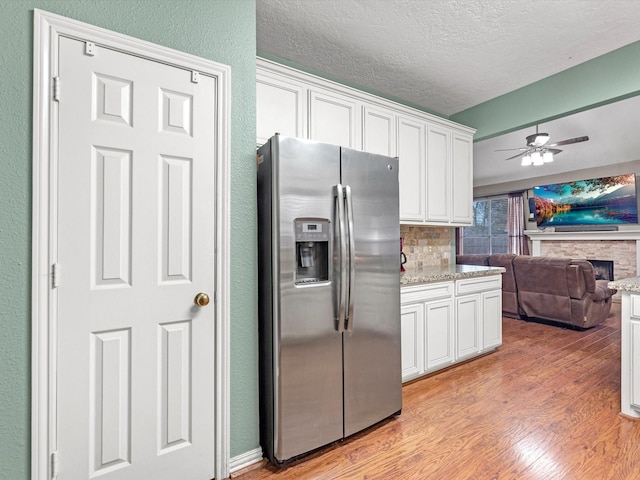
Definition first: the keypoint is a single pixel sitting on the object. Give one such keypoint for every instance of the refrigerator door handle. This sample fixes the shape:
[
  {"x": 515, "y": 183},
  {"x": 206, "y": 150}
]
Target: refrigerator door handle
[
  {"x": 342, "y": 257},
  {"x": 352, "y": 259}
]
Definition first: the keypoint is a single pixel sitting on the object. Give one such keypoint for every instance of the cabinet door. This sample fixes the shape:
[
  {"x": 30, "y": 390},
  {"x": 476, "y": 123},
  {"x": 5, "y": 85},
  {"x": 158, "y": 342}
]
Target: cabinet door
[
  {"x": 280, "y": 108},
  {"x": 412, "y": 327},
  {"x": 438, "y": 189},
  {"x": 491, "y": 319},
  {"x": 438, "y": 331},
  {"x": 467, "y": 334},
  {"x": 411, "y": 155},
  {"x": 334, "y": 119},
  {"x": 635, "y": 363},
  {"x": 462, "y": 179},
  {"x": 379, "y": 131}
]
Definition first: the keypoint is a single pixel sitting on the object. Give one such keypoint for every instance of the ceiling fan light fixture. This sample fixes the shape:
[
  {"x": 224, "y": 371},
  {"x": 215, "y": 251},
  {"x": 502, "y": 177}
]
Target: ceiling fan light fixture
[
  {"x": 526, "y": 161},
  {"x": 547, "y": 156},
  {"x": 536, "y": 159}
]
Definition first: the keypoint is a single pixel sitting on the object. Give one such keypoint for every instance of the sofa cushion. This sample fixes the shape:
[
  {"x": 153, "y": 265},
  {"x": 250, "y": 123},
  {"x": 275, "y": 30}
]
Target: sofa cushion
[{"x": 546, "y": 275}]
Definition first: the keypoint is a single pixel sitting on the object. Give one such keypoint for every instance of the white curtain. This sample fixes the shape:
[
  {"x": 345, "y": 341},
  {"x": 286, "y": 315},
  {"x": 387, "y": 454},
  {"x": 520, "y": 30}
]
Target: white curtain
[{"x": 518, "y": 243}]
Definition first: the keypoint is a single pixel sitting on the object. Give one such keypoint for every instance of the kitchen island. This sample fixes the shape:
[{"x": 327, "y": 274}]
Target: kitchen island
[
  {"x": 449, "y": 314},
  {"x": 630, "y": 345}
]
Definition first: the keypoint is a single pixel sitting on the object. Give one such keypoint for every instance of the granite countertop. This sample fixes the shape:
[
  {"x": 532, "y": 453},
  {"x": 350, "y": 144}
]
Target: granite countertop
[
  {"x": 626, "y": 284},
  {"x": 414, "y": 276}
]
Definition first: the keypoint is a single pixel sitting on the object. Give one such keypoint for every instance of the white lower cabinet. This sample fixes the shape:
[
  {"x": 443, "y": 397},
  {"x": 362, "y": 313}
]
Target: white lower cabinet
[
  {"x": 630, "y": 355},
  {"x": 635, "y": 364},
  {"x": 447, "y": 322},
  {"x": 467, "y": 326},
  {"x": 412, "y": 325},
  {"x": 438, "y": 335},
  {"x": 491, "y": 319}
]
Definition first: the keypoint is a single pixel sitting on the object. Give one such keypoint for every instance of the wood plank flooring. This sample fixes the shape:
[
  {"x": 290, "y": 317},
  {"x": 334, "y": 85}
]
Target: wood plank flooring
[{"x": 544, "y": 406}]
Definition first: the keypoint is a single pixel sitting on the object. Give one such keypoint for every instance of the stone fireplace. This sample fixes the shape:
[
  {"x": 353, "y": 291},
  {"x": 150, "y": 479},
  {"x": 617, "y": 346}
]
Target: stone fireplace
[{"x": 621, "y": 247}]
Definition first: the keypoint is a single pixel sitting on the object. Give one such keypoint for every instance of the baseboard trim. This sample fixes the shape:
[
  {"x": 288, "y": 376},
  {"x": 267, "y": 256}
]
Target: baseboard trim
[{"x": 245, "y": 460}]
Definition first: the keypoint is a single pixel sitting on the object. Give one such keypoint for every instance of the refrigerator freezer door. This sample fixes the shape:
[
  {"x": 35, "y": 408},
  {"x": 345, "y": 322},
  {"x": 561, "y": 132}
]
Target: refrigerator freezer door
[
  {"x": 372, "y": 369},
  {"x": 308, "y": 347}
]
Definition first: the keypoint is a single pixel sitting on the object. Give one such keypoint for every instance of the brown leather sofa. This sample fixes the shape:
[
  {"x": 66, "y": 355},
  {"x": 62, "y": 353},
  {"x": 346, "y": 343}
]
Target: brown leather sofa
[{"x": 555, "y": 289}]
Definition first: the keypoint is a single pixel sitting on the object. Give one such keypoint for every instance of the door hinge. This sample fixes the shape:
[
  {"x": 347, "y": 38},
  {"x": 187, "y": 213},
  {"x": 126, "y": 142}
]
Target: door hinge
[
  {"x": 55, "y": 275},
  {"x": 54, "y": 465},
  {"x": 89, "y": 49},
  {"x": 56, "y": 89}
]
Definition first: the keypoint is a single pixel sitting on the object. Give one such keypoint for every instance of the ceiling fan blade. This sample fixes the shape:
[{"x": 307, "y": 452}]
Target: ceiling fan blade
[
  {"x": 570, "y": 141},
  {"x": 515, "y": 156},
  {"x": 510, "y": 149},
  {"x": 555, "y": 151}
]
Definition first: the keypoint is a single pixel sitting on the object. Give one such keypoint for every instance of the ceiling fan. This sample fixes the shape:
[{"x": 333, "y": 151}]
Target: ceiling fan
[{"x": 538, "y": 151}]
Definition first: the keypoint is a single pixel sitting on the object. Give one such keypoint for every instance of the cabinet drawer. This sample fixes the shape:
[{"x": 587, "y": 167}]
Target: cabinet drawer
[
  {"x": 635, "y": 305},
  {"x": 478, "y": 284},
  {"x": 423, "y": 293}
]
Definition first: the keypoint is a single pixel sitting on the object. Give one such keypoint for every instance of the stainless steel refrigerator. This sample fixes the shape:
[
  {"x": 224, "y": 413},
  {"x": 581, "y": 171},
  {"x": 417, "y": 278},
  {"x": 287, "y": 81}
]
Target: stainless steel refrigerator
[{"x": 329, "y": 294}]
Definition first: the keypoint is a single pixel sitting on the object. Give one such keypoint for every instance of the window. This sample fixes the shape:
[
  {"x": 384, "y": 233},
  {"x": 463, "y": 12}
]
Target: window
[{"x": 488, "y": 234}]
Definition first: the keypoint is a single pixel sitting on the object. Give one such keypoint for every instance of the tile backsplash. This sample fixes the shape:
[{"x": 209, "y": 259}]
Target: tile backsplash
[{"x": 426, "y": 246}]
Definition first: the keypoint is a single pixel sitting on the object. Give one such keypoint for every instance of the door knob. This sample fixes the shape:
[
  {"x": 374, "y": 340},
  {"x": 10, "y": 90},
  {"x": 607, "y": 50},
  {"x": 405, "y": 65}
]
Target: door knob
[{"x": 202, "y": 299}]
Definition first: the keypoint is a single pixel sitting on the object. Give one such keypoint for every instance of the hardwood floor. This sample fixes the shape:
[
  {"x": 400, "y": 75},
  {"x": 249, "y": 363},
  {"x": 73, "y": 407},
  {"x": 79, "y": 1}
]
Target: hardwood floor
[{"x": 544, "y": 406}]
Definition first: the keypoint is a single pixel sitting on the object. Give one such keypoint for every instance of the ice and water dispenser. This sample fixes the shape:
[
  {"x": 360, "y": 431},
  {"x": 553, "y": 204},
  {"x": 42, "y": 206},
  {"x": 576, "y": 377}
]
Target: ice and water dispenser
[{"x": 312, "y": 250}]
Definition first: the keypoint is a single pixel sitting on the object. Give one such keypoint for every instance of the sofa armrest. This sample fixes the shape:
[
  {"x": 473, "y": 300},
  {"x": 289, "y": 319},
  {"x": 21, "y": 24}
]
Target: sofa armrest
[
  {"x": 603, "y": 292},
  {"x": 588, "y": 274},
  {"x": 576, "y": 284}
]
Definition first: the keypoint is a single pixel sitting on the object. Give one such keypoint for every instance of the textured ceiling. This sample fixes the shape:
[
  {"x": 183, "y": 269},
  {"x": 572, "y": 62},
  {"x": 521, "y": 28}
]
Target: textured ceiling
[
  {"x": 450, "y": 55},
  {"x": 444, "y": 55}
]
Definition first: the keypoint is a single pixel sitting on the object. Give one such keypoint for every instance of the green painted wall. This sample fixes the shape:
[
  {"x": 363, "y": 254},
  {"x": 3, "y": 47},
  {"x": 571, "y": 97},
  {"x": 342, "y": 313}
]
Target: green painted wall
[
  {"x": 603, "y": 80},
  {"x": 220, "y": 30}
]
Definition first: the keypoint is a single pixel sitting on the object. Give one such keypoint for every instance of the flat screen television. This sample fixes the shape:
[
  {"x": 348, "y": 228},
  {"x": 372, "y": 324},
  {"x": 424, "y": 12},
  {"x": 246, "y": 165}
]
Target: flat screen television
[{"x": 597, "y": 201}]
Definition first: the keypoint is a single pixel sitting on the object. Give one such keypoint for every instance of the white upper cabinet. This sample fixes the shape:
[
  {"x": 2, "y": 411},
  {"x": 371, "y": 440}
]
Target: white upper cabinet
[
  {"x": 462, "y": 179},
  {"x": 411, "y": 164},
  {"x": 438, "y": 183},
  {"x": 280, "y": 107},
  {"x": 379, "y": 131},
  {"x": 435, "y": 154},
  {"x": 334, "y": 118}
]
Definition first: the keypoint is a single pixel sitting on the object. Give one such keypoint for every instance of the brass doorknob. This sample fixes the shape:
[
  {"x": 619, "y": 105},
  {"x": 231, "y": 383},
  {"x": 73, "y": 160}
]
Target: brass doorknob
[{"x": 202, "y": 299}]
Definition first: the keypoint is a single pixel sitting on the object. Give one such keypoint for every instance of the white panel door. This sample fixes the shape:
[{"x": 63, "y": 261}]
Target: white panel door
[
  {"x": 412, "y": 328},
  {"x": 334, "y": 119},
  {"x": 462, "y": 179},
  {"x": 411, "y": 158},
  {"x": 280, "y": 108},
  {"x": 467, "y": 333},
  {"x": 439, "y": 330},
  {"x": 438, "y": 174},
  {"x": 379, "y": 131},
  {"x": 136, "y": 203}
]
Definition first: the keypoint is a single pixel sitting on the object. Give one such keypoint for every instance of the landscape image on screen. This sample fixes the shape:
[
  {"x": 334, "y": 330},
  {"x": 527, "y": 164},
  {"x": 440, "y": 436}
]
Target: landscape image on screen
[{"x": 598, "y": 201}]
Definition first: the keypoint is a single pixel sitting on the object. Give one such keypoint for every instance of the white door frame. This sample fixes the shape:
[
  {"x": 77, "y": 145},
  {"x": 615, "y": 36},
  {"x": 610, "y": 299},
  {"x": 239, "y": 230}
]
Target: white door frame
[{"x": 48, "y": 28}]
